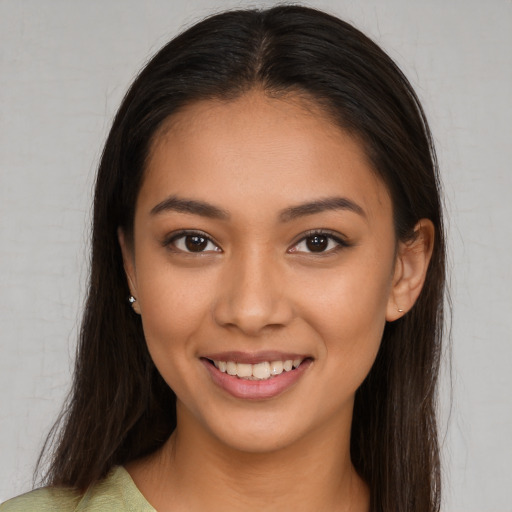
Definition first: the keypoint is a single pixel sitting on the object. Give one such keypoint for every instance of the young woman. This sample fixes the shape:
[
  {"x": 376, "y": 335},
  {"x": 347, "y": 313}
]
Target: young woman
[{"x": 263, "y": 325}]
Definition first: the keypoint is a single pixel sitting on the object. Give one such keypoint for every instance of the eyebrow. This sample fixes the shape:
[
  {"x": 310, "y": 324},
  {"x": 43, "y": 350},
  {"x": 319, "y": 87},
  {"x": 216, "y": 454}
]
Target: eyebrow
[
  {"x": 204, "y": 209},
  {"x": 176, "y": 204},
  {"x": 319, "y": 206}
]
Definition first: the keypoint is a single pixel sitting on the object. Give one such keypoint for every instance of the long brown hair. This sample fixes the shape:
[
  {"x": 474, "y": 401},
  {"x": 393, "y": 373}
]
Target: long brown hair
[{"x": 120, "y": 408}]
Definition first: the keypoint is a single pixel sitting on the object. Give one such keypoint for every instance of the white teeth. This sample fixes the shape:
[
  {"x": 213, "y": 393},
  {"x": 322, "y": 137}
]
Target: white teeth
[
  {"x": 259, "y": 371},
  {"x": 244, "y": 370},
  {"x": 276, "y": 367},
  {"x": 231, "y": 368}
]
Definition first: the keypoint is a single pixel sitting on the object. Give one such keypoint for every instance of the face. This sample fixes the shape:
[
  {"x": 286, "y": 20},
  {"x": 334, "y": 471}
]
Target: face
[{"x": 263, "y": 261}]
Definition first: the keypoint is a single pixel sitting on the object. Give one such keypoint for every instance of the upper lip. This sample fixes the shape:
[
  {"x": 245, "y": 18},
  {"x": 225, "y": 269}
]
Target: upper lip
[{"x": 254, "y": 357}]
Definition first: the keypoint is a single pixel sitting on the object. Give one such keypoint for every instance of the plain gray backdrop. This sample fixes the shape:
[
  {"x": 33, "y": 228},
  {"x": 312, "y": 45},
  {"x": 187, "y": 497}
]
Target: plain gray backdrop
[{"x": 64, "y": 67}]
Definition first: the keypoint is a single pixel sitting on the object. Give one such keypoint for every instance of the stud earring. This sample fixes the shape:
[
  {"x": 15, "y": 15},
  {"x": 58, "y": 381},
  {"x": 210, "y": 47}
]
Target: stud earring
[
  {"x": 133, "y": 303},
  {"x": 400, "y": 310}
]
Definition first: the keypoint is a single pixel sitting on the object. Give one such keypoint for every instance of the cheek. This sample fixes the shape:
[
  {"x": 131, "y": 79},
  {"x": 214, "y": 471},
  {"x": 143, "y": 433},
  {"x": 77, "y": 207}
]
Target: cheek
[
  {"x": 175, "y": 304},
  {"x": 347, "y": 310}
]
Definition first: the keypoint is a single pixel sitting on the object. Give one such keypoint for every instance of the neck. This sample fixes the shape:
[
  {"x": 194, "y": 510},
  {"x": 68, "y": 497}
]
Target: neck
[{"x": 195, "y": 472}]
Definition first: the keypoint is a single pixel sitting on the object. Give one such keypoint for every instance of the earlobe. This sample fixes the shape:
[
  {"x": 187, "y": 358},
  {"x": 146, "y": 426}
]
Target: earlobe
[
  {"x": 411, "y": 265},
  {"x": 129, "y": 268}
]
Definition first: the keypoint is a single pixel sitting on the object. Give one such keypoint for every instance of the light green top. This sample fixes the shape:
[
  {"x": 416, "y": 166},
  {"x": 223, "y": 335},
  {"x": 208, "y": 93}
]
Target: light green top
[{"x": 117, "y": 492}]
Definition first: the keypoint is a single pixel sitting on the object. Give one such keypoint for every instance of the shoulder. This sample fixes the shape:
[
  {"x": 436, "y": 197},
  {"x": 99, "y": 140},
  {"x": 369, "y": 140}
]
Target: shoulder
[
  {"x": 116, "y": 492},
  {"x": 45, "y": 499}
]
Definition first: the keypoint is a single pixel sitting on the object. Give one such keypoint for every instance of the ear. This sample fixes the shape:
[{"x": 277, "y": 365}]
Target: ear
[
  {"x": 412, "y": 260},
  {"x": 129, "y": 266}
]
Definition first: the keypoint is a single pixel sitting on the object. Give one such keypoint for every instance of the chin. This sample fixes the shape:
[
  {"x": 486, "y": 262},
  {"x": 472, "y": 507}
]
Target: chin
[{"x": 258, "y": 440}]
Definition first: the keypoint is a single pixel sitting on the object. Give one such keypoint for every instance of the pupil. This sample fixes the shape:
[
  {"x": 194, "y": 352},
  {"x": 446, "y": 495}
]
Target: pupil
[
  {"x": 195, "y": 243},
  {"x": 317, "y": 243}
]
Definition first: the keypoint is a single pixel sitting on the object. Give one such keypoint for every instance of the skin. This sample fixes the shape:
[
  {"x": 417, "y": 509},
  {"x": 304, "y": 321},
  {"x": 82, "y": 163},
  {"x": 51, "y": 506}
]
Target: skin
[{"x": 258, "y": 287}]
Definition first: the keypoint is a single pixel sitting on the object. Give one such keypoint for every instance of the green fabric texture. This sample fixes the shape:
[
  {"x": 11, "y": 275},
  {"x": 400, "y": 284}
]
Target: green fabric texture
[{"x": 116, "y": 492}]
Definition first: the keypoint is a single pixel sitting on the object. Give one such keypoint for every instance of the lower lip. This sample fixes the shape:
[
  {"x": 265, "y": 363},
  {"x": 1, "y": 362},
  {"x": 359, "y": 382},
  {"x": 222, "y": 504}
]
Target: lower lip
[{"x": 256, "y": 389}]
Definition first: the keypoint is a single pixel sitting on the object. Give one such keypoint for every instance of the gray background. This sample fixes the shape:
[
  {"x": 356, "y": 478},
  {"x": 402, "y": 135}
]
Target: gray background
[{"x": 64, "y": 67}]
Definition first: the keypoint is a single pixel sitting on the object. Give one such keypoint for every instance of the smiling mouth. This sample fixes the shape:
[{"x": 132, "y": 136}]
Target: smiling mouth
[{"x": 260, "y": 371}]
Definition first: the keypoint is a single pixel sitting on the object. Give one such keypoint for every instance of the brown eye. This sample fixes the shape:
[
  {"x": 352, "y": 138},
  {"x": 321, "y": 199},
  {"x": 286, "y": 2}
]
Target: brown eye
[
  {"x": 317, "y": 243},
  {"x": 196, "y": 243}
]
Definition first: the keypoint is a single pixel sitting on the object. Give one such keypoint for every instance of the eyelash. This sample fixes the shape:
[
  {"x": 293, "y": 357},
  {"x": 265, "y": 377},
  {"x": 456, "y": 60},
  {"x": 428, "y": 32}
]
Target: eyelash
[
  {"x": 340, "y": 242},
  {"x": 170, "y": 241},
  {"x": 332, "y": 237}
]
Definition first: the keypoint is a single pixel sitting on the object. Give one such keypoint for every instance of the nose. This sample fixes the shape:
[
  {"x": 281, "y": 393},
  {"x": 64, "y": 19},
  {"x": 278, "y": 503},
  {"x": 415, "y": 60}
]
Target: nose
[{"x": 252, "y": 296}]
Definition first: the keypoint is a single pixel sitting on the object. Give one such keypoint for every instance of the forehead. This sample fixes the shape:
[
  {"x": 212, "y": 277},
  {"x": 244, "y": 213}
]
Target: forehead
[{"x": 256, "y": 147}]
